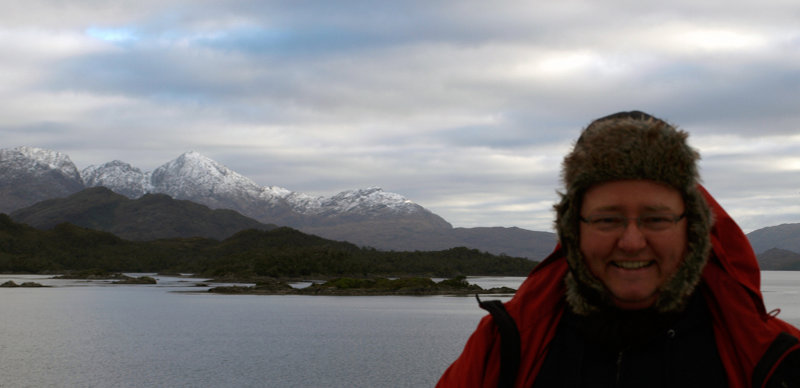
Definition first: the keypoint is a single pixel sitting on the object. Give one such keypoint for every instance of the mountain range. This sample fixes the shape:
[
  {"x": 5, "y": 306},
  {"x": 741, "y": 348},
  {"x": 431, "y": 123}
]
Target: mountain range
[
  {"x": 189, "y": 195},
  {"x": 366, "y": 217}
]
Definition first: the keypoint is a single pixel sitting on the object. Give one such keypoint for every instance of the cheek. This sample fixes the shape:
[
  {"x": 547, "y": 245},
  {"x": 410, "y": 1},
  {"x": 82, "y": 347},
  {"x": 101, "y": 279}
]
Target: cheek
[
  {"x": 676, "y": 257},
  {"x": 595, "y": 250},
  {"x": 671, "y": 254},
  {"x": 591, "y": 241}
]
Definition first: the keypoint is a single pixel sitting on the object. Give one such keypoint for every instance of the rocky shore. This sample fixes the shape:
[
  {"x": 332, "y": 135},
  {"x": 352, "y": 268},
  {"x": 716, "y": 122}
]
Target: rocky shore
[
  {"x": 12, "y": 284},
  {"x": 118, "y": 278},
  {"x": 377, "y": 286}
]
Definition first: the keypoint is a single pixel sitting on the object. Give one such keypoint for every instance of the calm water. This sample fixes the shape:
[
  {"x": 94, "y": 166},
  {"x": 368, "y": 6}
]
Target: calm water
[{"x": 91, "y": 334}]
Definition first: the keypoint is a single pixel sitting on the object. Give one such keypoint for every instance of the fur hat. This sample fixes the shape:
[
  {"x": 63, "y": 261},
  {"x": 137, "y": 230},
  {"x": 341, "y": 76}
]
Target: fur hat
[{"x": 631, "y": 145}]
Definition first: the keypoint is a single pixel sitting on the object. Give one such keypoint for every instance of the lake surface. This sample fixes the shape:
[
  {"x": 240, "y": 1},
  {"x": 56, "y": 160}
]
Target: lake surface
[{"x": 93, "y": 334}]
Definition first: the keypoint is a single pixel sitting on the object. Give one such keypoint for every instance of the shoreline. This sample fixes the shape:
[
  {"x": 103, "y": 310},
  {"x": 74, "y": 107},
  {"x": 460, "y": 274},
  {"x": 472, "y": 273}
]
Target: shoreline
[
  {"x": 412, "y": 286},
  {"x": 320, "y": 285}
]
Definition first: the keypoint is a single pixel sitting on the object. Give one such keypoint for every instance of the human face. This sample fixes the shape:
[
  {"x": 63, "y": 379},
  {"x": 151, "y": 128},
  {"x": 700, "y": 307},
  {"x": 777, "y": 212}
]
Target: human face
[{"x": 633, "y": 263}]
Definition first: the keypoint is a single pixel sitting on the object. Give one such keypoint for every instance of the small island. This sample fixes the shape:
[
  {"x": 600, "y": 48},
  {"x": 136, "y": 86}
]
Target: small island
[
  {"x": 99, "y": 274},
  {"x": 12, "y": 284},
  {"x": 377, "y": 286}
]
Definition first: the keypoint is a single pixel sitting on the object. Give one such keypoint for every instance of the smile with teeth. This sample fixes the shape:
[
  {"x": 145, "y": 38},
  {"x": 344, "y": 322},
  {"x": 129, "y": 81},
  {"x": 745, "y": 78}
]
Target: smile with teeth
[{"x": 632, "y": 264}]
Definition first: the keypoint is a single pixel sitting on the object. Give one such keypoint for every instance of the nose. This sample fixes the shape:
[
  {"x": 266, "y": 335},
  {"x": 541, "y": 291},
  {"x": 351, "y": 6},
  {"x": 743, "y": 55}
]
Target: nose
[{"x": 632, "y": 238}]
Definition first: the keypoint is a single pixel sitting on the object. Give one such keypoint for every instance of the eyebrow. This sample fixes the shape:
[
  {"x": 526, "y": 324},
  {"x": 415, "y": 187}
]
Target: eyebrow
[
  {"x": 647, "y": 208},
  {"x": 657, "y": 208}
]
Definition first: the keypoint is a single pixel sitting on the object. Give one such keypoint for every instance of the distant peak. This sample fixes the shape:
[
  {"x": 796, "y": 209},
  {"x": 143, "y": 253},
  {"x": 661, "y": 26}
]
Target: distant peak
[
  {"x": 51, "y": 159},
  {"x": 117, "y": 163},
  {"x": 40, "y": 153},
  {"x": 196, "y": 158},
  {"x": 28, "y": 150},
  {"x": 364, "y": 191}
]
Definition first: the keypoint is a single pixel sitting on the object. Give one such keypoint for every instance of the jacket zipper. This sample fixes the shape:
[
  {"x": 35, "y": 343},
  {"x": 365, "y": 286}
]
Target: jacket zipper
[{"x": 619, "y": 368}]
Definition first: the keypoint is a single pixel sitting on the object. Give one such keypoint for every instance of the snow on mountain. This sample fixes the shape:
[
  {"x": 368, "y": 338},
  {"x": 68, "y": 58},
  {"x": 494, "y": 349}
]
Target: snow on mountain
[
  {"x": 118, "y": 176},
  {"x": 29, "y": 175},
  {"x": 39, "y": 161},
  {"x": 363, "y": 201},
  {"x": 369, "y": 201},
  {"x": 193, "y": 174},
  {"x": 199, "y": 178},
  {"x": 367, "y": 217},
  {"x": 303, "y": 203},
  {"x": 195, "y": 177}
]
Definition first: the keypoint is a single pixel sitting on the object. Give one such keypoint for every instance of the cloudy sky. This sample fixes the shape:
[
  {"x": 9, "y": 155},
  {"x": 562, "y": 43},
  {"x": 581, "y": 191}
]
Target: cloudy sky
[{"x": 465, "y": 107}]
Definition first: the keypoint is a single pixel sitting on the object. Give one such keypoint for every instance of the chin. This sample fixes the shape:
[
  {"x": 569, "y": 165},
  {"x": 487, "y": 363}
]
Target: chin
[{"x": 635, "y": 301}]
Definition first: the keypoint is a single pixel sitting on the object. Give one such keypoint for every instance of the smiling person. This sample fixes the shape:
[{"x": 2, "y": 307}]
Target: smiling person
[{"x": 652, "y": 284}]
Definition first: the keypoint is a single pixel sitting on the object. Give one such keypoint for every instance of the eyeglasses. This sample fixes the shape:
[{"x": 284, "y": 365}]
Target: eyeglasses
[{"x": 649, "y": 222}]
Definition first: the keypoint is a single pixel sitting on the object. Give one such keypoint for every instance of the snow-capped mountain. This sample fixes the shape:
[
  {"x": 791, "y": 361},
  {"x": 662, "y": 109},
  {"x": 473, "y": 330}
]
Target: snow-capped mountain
[
  {"x": 372, "y": 200},
  {"x": 29, "y": 175},
  {"x": 369, "y": 216},
  {"x": 122, "y": 177},
  {"x": 39, "y": 161},
  {"x": 192, "y": 173},
  {"x": 197, "y": 178}
]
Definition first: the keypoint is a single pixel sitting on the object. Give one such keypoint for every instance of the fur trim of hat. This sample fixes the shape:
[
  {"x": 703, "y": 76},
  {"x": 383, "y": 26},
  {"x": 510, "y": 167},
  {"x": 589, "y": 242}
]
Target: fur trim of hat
[{"x": 623, "y": 146}]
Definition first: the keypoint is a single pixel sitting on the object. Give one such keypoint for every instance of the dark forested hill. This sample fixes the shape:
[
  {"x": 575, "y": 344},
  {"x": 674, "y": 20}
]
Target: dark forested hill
[
  {"x": 280, "y": 252},
  {"x": 150, "y": 217},
  {"x": 777, "y": 259}
]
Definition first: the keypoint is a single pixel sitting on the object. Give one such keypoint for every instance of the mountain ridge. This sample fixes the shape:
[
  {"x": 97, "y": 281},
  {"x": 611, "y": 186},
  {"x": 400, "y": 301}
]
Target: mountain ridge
[
  {"x": 367, "y": 216},
  {"x": 784, "y": 236}
]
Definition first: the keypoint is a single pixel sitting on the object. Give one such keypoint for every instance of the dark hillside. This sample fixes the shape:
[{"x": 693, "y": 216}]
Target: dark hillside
[
  {"x": 282, "y": 252},
  {"x": 776, "y": 259},
  {"x": 153, "y": 216}
]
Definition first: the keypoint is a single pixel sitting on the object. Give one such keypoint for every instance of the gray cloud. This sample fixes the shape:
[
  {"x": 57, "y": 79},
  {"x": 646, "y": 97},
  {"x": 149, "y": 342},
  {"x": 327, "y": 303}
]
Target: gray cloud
[{"x": 465, "y": 107}]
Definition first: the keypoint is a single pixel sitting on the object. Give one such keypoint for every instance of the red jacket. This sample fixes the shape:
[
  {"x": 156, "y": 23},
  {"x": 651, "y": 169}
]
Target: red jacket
[{"x": 744, "y": 331}]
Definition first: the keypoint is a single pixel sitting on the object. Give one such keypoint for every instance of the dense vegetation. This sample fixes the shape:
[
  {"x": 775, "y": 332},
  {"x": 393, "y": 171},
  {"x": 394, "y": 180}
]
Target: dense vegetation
[
  {"x": 281, "y": 252},
  {"x": 149, "y": 217},
  {"x": 360, "y": 286}
]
